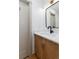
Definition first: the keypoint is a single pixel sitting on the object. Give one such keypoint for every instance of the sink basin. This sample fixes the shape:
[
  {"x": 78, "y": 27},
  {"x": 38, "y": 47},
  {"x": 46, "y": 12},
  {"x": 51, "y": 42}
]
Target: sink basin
[{"x": 51, "y": 36}]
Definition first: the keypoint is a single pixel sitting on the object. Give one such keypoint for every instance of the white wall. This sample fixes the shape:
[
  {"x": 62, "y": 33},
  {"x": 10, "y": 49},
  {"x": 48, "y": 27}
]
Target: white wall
[
  {"x": 38, "y": 14},
  {"x": 38, "y": 19},
  {"x": 24, "y": 43}
]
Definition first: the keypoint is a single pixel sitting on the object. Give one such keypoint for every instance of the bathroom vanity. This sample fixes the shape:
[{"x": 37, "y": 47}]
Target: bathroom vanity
[{"x": 47, "y": 45}]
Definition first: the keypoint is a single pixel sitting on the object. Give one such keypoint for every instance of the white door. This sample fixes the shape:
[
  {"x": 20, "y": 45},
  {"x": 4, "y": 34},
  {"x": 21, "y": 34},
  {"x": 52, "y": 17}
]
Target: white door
[{"x": 23, "y": 30}]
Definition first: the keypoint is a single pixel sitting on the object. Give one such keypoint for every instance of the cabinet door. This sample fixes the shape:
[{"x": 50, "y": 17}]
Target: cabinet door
[
  {"x": 39, "y": 47},
  {"x": 51, "y": 50}
]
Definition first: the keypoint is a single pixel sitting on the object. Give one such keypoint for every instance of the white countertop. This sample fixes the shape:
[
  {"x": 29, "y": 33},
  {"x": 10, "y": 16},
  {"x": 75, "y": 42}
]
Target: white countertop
[{"x": 53, "y": 37}]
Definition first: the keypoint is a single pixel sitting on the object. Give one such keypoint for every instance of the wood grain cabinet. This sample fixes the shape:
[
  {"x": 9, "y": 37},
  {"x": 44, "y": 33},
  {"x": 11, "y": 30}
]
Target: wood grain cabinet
[
  {"x": 51, "y": 50},
  {"x": 39, "y": 47},
  {"x": 46, "y": 49}
]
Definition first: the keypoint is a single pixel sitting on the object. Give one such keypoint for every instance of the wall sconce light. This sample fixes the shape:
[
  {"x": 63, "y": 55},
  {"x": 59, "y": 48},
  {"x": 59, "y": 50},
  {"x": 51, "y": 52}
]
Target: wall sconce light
[{"x": 51, "y": 1}]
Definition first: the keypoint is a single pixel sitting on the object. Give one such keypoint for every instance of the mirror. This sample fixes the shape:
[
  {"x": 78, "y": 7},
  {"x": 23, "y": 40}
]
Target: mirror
[{"x": 52, "y": 15}]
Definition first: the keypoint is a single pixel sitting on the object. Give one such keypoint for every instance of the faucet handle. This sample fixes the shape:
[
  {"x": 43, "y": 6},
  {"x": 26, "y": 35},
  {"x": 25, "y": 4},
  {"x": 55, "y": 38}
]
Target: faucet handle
[{"x": 49, "y": 27}]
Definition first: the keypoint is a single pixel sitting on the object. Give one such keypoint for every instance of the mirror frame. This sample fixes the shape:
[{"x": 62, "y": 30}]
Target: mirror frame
[{"x": 46, "y": 14}]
